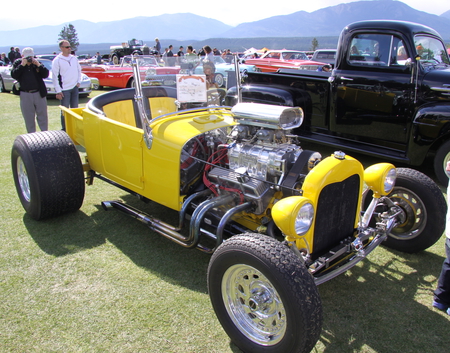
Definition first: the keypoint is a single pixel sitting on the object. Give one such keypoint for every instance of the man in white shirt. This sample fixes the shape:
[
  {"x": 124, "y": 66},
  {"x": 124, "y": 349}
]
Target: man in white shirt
[{"x": 66, "y": 76}]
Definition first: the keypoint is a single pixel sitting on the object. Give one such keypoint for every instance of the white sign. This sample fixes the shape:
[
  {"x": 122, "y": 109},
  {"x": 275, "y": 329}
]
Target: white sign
[{"x": 191, "y": 88}]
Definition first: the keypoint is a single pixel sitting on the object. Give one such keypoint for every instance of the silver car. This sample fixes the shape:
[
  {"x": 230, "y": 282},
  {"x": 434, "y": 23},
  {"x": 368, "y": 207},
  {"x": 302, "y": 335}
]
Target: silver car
[{"x": 8, "y": 84}]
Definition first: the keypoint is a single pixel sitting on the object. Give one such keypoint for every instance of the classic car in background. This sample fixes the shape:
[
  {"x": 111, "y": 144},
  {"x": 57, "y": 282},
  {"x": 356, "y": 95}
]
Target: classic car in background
[
  {"x": 325, "y": 55},
  {"x": 8, "y": 84},
  {"x": 272, "y": 60},
  {"x": 121, "y": 76},
  {"x": 222, "y": 68},
  {"x": 132, "y": 47},
  {"x": 221, "y": 74}
]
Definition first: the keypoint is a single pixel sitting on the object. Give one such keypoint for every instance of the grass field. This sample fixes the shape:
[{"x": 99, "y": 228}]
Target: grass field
[{"x": 97, "y": 281}]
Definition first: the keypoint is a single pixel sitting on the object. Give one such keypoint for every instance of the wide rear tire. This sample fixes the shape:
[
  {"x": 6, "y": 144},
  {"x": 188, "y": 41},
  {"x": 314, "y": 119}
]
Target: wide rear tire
[
  {"x": 48, "y": 174},
  {"x": 264, "y": 296}
]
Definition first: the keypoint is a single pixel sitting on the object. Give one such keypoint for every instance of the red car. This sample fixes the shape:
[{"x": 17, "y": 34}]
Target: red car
[
  {"x": 272, "y": 60},
  {"x": 121, "y": 76}
]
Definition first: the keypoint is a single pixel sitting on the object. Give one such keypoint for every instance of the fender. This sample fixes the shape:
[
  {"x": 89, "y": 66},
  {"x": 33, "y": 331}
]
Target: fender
[{"x": 431, "y": 128}]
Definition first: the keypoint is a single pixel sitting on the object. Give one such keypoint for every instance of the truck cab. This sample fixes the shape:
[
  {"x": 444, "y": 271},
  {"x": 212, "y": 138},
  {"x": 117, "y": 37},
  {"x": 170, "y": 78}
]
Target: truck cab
[{"x": 388, "y": 95}]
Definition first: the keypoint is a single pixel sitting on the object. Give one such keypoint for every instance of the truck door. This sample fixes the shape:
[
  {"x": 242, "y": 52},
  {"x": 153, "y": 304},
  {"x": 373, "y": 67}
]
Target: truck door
[{"x": 373, "y": 93}]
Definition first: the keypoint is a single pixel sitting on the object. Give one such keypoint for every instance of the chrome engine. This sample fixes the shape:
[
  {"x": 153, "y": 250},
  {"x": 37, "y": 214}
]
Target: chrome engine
[{"x": 257, "y": 156}]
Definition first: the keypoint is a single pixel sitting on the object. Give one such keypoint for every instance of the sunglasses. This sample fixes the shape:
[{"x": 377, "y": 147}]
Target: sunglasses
[{"x": 67, "y": 47}]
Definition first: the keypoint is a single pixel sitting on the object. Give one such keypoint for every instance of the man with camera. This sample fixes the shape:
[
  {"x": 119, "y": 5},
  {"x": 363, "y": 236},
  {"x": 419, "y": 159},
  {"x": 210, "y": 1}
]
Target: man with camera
[{"x": 30, "y": 74}]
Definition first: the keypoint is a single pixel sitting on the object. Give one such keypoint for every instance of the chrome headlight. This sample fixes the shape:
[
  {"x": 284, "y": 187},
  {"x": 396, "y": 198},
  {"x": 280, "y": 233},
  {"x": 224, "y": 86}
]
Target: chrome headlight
[
  {"x": 380, "y": 178},
  {"x": 389, "y": 181},
  {"x": 294, "y": 215},
  {"x": 304, "y": 219}
]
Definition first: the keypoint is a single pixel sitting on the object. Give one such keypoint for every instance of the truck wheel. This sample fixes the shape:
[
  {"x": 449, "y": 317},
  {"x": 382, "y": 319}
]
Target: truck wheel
[
  {"x": 47, "y": 173},
  {"x": 440, "y": 162},
  {"x": 424, "y": 207},
  {"x": 115, "y": 59},
  {"x": 263, "y": 295}
]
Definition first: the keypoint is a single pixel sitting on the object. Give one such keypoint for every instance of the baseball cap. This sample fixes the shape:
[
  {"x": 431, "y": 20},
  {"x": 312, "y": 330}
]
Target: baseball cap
[{"x": 26, "y": 52}]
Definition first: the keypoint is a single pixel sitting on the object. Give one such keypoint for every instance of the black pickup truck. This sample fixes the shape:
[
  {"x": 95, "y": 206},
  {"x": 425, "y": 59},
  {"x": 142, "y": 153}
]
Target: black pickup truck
[{"x": 387, "y": 96}]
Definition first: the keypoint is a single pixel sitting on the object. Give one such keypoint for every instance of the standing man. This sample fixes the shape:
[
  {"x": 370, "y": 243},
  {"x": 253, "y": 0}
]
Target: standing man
[
  {"x": 180, "y": 55},
  {"x": 12, "y": 56},
  {"x": 157, "y": 46},
  {"x": 98, "y": 58},
  {"x": 170, "y": 58},
  {"x": 66, "y": 76},
  {"x": 441, "y": 298},
  {"x": 30, "y": 73}
]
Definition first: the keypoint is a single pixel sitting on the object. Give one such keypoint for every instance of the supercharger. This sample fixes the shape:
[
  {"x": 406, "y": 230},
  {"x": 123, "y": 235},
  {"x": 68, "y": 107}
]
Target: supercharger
[{"x": 260, "y": 153}]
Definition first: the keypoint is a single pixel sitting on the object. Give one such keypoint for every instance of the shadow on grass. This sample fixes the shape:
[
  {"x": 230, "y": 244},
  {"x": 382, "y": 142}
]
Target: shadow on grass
[
  {"x": 374, "y": 308},
  {"x": 76, "y": 232}
]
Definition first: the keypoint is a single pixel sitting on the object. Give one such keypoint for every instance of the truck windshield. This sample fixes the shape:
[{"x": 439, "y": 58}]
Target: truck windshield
[{"x": 431, "y": 50}]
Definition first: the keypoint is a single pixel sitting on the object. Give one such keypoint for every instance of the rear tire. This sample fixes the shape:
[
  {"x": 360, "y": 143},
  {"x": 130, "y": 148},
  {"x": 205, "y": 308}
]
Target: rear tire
[
  {"x": 48, "y": 174},
  {"x": 263, "y": 296}
]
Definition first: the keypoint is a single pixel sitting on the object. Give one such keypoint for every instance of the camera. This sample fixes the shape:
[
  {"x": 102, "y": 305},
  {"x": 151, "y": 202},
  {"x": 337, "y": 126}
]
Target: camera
[{"x": 29, "y": 59}]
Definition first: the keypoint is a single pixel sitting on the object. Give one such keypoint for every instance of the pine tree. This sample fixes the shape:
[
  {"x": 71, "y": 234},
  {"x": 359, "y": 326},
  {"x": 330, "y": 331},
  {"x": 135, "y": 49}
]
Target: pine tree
[
  {"x": 69, "y": 33},
  {"x": 314, "y": 44}
]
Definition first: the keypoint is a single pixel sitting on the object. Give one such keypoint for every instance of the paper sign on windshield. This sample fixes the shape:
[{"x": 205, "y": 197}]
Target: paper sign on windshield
[{"x": 191, "y": 88}]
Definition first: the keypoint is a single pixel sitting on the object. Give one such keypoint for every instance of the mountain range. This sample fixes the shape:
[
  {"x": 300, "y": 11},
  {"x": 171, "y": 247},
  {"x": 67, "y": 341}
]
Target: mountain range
[{"x": 328, "y": 21}]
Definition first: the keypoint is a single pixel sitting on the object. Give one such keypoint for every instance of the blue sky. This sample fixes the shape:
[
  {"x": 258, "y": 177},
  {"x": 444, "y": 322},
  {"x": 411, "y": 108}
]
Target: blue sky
[{"x": 232, "y": 12}]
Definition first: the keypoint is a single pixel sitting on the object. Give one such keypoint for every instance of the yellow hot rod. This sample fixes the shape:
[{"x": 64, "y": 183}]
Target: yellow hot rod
[{"x": 277, "y": 219}]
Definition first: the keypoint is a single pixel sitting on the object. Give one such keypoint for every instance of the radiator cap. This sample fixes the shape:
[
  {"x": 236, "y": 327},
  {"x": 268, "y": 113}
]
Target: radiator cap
[{"x": 339, "y": 155}]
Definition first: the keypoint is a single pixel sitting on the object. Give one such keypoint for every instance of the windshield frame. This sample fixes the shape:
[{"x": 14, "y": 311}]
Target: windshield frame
[{"x": 431, "y": 49}]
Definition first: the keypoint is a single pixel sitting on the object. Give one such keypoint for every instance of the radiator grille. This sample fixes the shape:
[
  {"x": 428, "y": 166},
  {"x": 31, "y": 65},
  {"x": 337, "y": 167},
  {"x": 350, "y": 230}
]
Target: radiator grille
[{"x": 336, "y": 211}]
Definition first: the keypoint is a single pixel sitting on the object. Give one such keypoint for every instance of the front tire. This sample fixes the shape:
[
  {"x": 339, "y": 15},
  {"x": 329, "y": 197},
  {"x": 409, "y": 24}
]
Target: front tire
[
  {"x": 440, "y": 162},
  {"x": 424, "y": 209},
  {"x": 264, "y": 296},
  {"x": 47, "y": 173}
]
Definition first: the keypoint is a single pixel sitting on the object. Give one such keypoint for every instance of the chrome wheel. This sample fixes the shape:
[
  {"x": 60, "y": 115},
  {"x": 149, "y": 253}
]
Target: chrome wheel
[
  {"x": 415, "y": 214},
  {"x": 254, "y": 305},
  {"x": 24, "y": 182}
]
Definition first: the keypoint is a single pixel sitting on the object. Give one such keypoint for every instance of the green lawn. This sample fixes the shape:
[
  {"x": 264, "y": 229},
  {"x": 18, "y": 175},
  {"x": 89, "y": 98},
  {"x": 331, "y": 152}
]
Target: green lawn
[{"x": 97, "y": 281}]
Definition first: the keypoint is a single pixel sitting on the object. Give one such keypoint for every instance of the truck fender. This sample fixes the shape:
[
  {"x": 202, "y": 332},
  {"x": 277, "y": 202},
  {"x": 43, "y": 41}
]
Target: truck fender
[{"x": 431, "y": 127}]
